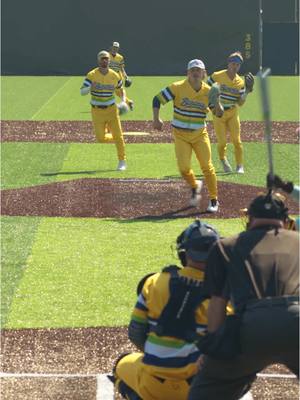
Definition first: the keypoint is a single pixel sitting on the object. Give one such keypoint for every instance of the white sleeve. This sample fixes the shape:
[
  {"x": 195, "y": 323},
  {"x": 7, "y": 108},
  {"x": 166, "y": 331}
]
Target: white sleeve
[
  {"x": 84, "y": 90},
  {"x": 86, "y": 87}
]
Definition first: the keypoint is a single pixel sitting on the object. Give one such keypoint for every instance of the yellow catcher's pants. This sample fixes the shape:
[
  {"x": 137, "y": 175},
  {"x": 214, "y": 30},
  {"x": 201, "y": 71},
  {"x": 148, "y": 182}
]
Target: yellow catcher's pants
[
  {"x": 131, "y": 370},
  {"x": 197, "y": 141},
  {"x": 109, "y": 117},
  {"x": 230, "y": 121}
]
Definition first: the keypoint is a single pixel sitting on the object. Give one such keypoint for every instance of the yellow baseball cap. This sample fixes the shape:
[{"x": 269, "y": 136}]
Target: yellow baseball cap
[{"x": 103, "y": 54}]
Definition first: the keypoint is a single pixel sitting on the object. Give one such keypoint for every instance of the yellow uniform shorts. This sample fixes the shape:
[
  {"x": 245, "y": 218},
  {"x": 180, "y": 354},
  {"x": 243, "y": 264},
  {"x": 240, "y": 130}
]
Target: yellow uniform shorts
[
  {"x": 230, "y": 121},
  {"x": 198, "y": 141},
  {"x": 131, "y": 370},
  {"x": 109, "y": 117}
]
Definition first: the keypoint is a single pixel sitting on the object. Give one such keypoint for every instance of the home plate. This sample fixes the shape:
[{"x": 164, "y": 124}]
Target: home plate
[{"x": 136, "y": 133}]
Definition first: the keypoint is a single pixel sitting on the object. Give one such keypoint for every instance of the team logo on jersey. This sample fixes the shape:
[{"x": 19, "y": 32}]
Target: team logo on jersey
[
  {"x": 225, "y": 88},
  {"x": 193, "y": 104},
  {"x": 99, "y": 86}
]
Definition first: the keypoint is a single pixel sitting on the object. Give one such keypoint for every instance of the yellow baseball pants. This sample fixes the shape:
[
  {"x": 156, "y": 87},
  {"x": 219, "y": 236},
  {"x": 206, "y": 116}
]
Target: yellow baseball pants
[
  {"x": 197, "y": 141},
  {"x": 230, "y": 121},
  {"x": 131, "y": 370},
  {"x": 109, "y": 117}
]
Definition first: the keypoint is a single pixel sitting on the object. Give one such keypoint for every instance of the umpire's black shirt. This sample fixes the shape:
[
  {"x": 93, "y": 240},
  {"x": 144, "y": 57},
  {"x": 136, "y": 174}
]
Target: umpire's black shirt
[{"x": 273, "y": 254}]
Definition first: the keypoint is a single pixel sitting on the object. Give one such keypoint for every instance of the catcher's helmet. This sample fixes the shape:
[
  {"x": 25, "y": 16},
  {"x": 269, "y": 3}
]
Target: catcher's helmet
[
  {"x": 196, "y": 241},
  {"x": 268, "y": 206}
]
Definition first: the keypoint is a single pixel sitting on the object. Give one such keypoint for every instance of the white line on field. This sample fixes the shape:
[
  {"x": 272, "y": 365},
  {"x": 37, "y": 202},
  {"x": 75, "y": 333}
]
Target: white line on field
[
  {"x": 41, "y": 375},
  {"x": 286, "y": 376},
  {"x": 105, "y": 388},
  {"x": 51, "y": 98},
  {"x": 103, "y": 377}
]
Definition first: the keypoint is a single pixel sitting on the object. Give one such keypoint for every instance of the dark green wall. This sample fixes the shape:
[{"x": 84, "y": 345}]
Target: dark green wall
[{"x": 157, "y": 37}]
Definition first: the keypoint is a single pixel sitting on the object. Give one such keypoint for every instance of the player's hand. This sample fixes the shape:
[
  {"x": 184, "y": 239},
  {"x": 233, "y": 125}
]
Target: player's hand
[{"x": 158, "y": 124}]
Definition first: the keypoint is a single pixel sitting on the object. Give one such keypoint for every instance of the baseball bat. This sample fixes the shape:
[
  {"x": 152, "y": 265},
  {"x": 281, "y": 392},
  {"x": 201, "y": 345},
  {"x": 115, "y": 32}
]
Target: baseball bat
[{"x": 264, "y": 89}]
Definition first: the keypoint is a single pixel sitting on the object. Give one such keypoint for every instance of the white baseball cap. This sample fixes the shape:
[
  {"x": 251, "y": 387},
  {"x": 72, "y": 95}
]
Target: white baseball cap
[
  {"x": 116, "y": 44},
  {"x": 103, "y": 54},
  {"x": 196, "y": 64}
]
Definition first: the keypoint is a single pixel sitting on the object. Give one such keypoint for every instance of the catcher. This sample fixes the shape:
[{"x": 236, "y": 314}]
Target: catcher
[
  {"x": 164, "y": 327},
  {"x": 102, "y": 83},
  {"x": 234, "y": 91},
  {"x": 192, "y": 99},
  {"x": 117, "y": 63},
  {"x": 169, "y": 317}
]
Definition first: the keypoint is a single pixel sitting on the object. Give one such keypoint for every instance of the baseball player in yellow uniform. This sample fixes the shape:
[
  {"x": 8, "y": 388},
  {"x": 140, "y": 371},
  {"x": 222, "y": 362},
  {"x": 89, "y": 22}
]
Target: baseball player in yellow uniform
[
  {"x": 168, "y": 362},
  {"x": 234, "y": 91},
  {"x": 191, "y": 104},
  {"x": 101, "y": 83},
  {"x": 117, "y": 63},
  {"x": 169, "y": 318}
]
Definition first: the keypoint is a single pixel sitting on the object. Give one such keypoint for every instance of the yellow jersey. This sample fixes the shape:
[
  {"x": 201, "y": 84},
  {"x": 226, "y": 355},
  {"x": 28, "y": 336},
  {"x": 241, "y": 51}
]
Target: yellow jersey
[
  {"x": 190, "y": 106},
  {"x": 102, "y": 87},
  {"x": 231, "y": 90},
  {"x": 116, "y": 62},
  {"x": 168, "y": 357}
]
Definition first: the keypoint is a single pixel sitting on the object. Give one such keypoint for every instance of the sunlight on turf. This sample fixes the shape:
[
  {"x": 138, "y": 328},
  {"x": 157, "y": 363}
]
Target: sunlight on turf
[{"x": 84, "y": 272}]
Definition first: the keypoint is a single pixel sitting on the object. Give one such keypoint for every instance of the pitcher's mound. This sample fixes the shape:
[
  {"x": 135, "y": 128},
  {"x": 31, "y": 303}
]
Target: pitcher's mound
[{"x": 124, "y": 198}]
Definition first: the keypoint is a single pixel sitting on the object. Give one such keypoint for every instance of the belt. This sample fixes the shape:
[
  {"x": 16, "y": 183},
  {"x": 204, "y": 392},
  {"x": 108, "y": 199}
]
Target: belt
[
  {"x": 101, "y": 106},
  {"x": 272, "y": 302}
]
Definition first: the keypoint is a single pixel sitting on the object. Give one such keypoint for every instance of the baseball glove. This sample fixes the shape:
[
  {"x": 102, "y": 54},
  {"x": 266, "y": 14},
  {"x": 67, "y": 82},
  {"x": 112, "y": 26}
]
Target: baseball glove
[
  {"x": 123, "y": 108},
  {"x": 249, "y": 82},
  {"x": 128, "y": 82},
  {"x": 213, "y": 95}
]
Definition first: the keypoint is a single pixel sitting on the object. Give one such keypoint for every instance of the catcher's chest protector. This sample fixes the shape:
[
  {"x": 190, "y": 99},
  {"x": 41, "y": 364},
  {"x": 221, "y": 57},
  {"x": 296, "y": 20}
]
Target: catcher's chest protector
[{"x": 178, "y": 317}]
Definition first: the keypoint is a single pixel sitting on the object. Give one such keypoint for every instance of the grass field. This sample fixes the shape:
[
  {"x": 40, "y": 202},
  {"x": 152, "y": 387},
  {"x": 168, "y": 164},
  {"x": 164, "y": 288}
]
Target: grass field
[
  {"x": 82, "y": 272},
  {"x": 57, "y": 98}
]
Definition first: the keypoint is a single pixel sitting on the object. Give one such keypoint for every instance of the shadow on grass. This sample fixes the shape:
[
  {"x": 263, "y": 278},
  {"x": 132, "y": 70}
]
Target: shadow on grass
[
  {"x": 201, "y": 176},
  {"x": 76, "y": 172},
  {"x": 175, "y": 214}
]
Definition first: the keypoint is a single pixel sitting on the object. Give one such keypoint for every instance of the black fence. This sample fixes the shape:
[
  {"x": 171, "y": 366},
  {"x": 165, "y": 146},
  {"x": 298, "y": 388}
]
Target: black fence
[{"x": 62, "y": 37}]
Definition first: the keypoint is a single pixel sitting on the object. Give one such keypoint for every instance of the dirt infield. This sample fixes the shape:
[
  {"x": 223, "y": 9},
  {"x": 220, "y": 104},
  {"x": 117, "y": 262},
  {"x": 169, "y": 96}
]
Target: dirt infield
[
  {"x": 86, "y": 351},
  {"x": 82, "y": 131},
  {"x": 124, "y": 198}
]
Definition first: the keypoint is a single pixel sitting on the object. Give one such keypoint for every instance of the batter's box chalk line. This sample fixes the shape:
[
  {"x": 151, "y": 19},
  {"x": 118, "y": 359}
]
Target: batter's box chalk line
[{"x": 104, "y": 387}]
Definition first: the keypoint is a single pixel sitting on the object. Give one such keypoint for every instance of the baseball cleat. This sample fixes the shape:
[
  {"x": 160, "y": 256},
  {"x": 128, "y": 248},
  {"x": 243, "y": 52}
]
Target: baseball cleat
[
  {"x": 196, "y": 194},
  {"x": 240, "y": 169},
  {"x": 213, "y": 206},
  {"x": 122, "y": 166},
  {"x": 226, "y": 165}
]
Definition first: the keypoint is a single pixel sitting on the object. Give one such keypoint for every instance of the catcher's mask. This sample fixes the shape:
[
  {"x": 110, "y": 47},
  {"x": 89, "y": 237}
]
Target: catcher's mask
[
  {"x": 195, "y": 242},
  {"x": 270, "y": 206}
]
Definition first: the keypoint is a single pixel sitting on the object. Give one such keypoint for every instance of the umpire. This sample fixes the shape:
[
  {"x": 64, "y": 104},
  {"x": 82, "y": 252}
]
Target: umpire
[{"x": 259, "y": 271}]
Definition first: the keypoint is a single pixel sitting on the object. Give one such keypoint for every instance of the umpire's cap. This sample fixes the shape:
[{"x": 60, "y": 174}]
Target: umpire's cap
[
  {"x": 268, "y": 206},
  {"x": 195, "y": 241}
]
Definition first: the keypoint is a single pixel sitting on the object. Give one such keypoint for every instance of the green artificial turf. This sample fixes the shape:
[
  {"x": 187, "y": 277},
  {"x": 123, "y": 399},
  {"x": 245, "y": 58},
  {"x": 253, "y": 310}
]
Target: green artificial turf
[
  {"x": 29, "y": 164},
  {"x": 84, "y": 272},
  {"x": 16, "y": 242},
  {"x": 58, "y": 98}
]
